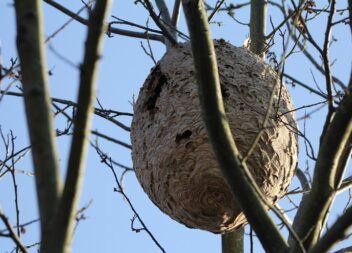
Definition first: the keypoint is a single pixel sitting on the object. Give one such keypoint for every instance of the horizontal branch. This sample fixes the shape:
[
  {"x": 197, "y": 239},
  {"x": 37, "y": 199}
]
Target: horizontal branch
[
  {"x": 106, "y": 137},
  {"x": 296, "y": 81},
  {"x": 108, "y": 29},
  {"x": 98, "y": 111}
]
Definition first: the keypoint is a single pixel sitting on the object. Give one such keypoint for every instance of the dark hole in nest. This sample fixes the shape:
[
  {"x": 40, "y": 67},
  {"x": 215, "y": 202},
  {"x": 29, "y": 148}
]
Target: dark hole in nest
[
  {"x": 185, "y": 135},
  {"x": 155, "y": 88},
  {"x": 224, "y": 92}
]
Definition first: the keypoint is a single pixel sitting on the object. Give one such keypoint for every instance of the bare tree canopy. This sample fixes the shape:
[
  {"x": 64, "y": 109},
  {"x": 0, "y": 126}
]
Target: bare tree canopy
[{"x": 110, "y": 111}]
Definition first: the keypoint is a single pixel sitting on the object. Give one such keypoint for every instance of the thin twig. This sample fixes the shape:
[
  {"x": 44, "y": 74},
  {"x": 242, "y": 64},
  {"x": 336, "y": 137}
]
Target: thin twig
[
  {"x": 94, "y": 132},
  {"x": 296, "y": 81},
  {"x": 125, "y": 22},
  {"x": 216, "y": 9},
  {"x": 106, "y": 137},
  {"x": 88, "y": 5},
  {"x": 80, "y": 215},
  {"x": 14, "y": 183},
  {"x": 346, "y": 184},
  {"x": 12, "y": 233},
  {"x": 108, "y": 162},
  {"x": 264, "y": 124},
  {"x": 110, "y": 30},
  {"x": 328, "y": 76},
  {"x": 21, "y": 226},
  {"x": 302, "y": 47},
  {"x": 100, "y": 112},
  {"x": 302, "y": 107},
  {"x": 157, "y": 21}
]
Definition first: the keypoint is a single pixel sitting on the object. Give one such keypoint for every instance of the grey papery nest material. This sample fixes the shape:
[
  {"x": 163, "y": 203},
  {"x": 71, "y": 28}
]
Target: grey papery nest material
[{"x": 172, "y": 156}]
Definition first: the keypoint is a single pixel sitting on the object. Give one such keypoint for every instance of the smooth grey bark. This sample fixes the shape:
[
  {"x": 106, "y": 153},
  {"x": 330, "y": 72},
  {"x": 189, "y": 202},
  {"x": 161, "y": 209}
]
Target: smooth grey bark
[
  {"x": 64, "y": 219},
  {"x": 165, "y": 15},
  {"x": 337, "y": 232},
  {"x": 236, "y": 173},
  {"x": 336, "y": 143},
  {"x": 56, "y": 208},
  {"x": 30, "y": 46},
  {"x": 233, "y": 242},
  {"x": 258, "y": 27}
]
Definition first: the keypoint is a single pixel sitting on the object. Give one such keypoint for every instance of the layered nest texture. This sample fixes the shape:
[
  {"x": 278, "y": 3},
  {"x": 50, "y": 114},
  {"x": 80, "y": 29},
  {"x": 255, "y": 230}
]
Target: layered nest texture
[{"x": 172, "y": 156}]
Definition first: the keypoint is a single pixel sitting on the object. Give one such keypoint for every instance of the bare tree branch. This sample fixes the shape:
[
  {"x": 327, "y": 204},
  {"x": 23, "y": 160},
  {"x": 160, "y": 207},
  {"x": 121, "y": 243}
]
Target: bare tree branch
[
  {"x": 344, "y": 250},
  {"x": 346, "y": 184},
  {"x": 110, "y": 30},
  {"x": 166, "y": 30},
  {"x": 31, "y": 53},
  {"x": 49, "y": 38},
  {"x": 337, "y": 232},
  {"x": 302, "y": 47},
  {"x": 165, "y": 15},
  {"x": 233, "y": 242},
  {"x": 64, "y": 219},
  {"x": 106, "y": 137},
  {"x": 326, "y": 61},
  {"x": 236, "y": 173},
  {"x": 257, "y": 27},
  {"x": 12, "y": 233},
  {"x": 307, "y": 87},
  {"x": 108, "y": 162},
  {"x": 98, "y": 111},
  {"x": 176, "y": 13},
  {"x": 216, "y": 9},
  {"x": 335, "y": 144}
]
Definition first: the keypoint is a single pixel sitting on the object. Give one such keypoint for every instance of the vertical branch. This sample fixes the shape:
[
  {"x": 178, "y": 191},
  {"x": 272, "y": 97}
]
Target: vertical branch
[
  {"x": 82, "y": 121},
  {"x": 236, "y": 173},
  {"x": 233, "y": 242},
  {"x": 168, "y": 31},
  {"x": 164, "y": 11},
  {"x": 30, "y": 45},
  {"x": 14, "y": 183},
  {"x": 327, "y": 69},
  {"x": 257, "y": 27},
  {"x": 176, "y": 13},
  {"x": 165, "y": 14}
]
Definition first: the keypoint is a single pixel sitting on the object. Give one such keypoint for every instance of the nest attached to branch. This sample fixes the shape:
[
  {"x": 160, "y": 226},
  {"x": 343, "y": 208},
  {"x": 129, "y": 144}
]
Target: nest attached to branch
[{"x": 171, "y": 153}]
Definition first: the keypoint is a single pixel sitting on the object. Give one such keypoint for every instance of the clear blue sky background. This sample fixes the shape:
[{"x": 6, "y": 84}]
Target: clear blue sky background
[{"x": 123, "y": 69}]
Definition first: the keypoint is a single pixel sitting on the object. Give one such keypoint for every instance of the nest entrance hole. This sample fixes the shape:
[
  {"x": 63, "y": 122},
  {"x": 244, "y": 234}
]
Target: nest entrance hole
[
  {"x": 185, "y": 135},
  {"x": 156, "y": 84}
]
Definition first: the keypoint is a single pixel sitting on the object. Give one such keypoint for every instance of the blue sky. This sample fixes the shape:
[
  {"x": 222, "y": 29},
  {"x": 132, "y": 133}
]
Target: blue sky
[{"x": 124, "y": 67}]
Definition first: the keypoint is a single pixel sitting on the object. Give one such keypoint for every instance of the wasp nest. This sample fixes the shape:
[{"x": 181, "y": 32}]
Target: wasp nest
[{"x": 172, "y": 156}]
